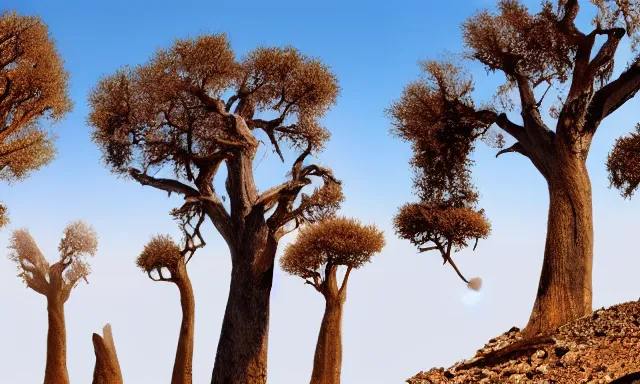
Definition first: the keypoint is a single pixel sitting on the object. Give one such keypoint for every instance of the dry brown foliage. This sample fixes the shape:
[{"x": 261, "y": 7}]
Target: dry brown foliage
[
  {"x": 161, "y": 251},
  {"x": 4, "y": 215},
  {"x": 79, "y": 240},
  {"x": 619, "y": 14},
  {"x": 513, "y": 40},
  {"x": 167, "y": 108},
  {"x": 423, "y": 224},
  {"x": 443, "y": 227},
  {"x": 33, "y": 86},
  {"x": 436, "y": 114},
  {"x": 335, "y": 241},
  {"x": 623, "y": 163}
]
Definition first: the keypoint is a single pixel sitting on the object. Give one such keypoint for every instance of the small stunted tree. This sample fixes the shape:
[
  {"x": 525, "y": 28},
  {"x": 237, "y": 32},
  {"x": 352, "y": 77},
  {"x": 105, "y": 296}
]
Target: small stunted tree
[
  {"x": 170, "y": 112},
  {"x": 107, "y": 368},
  {"x": 533, "y": 50},
  {"x": 33, "y": 86},
  {"x": 316, "y": 254},
  {"x": 55, "y": 282},
  {"x": 162, "y": 253}
]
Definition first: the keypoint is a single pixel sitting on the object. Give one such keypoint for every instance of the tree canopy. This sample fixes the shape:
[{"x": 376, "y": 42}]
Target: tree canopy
[
  {"x": 443, "y": 226},
  {"x": 163, "y": 252},
  {"x": 33, "y": 86},
  {"x": 436, "y": 115},
  {"x": 163, "y": 108},
  {"x": 335, "y": 241}
]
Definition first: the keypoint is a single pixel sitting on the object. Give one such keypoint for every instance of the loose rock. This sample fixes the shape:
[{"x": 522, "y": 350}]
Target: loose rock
[{"x": 595, "y": 349}]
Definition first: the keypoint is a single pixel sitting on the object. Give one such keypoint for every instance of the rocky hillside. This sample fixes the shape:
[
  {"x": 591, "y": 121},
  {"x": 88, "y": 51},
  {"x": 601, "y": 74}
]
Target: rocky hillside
[{"x": 601, "y": 348}]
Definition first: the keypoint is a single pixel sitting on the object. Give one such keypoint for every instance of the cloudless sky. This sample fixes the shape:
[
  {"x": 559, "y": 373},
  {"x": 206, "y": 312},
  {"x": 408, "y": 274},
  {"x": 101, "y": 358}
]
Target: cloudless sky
[{"x": 406, "y": 312}]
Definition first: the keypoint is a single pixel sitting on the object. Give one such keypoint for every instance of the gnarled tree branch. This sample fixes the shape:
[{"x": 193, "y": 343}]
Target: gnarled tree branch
[
  {"x": 517, "y": 147},
  {"x": 607, "y": 51},
  {"x": 613, "y": 95},
  {"x": 167, "y": 185}
]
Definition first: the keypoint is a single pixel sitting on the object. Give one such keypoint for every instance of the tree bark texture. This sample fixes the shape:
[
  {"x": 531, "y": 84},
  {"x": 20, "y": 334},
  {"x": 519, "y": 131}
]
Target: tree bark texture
[
  {"x": 327, "y": 361},
  {"x": 241, "y": 357},
  {"x": 56, "y": 368},
  {"x": 564, "y": 291}
]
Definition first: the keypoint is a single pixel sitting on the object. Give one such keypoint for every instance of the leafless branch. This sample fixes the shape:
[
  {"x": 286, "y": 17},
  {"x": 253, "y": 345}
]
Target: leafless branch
[
  {"x": 167, "y": 185},
  {"x": 343, "y": 287},
  {"x": 517, "y": 147},
  {"x": 613, "y": 95}
]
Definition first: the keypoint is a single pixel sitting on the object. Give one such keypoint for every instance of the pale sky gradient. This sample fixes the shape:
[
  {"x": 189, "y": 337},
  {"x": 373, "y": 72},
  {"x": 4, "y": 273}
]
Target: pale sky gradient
[{"x": 405, "y": 311}]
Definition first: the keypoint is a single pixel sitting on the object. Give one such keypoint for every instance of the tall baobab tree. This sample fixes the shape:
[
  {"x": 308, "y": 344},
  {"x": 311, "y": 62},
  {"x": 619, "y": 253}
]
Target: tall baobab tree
[
  {"x": 107, "y": 368},
  {"x": 323, "y": 247},
  {"x": 534, "y": 50},
  {"x": 162, "y": 253},
  {"x": 170, "y": 112},
  {"x": 55, "y": 282},
  {"x": 33, "y": 86}
]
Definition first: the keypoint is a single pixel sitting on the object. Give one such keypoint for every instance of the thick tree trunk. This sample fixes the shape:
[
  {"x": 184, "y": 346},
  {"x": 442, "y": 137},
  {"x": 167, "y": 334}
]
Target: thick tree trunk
[
  {"x": 327, "y": 362},
  {"x": 107, "y": 368},
  {"x": 564, "y": 291},
  {"x": 183, "y": 365},
  {"x": 56, "y": 368},
  {"x": 241, "y": 357}
]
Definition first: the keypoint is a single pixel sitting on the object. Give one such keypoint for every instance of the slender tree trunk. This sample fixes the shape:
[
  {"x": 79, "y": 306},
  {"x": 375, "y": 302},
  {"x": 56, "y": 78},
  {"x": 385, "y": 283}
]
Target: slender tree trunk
[
  {"x": 327, "y": 362},
  {"x": 564, "y": 292},
  {"x": 56, "y": 368},
  {"x": 107, "y": 368},
  {"x": 183, "y": 365},
  {"x": 241, "y": 357}
]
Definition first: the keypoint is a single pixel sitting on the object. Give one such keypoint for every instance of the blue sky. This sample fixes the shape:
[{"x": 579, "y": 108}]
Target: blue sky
[{"x": 405, "y": 311}]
